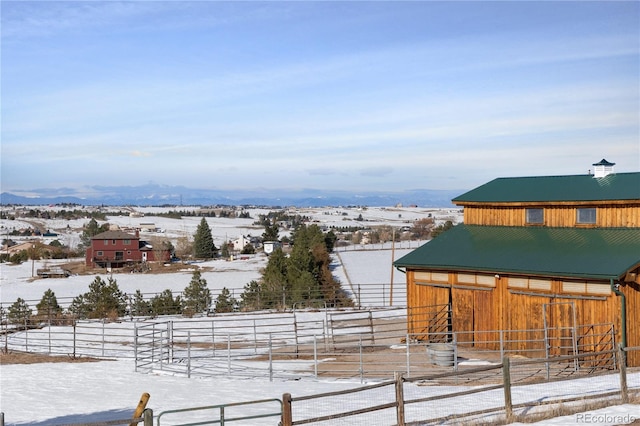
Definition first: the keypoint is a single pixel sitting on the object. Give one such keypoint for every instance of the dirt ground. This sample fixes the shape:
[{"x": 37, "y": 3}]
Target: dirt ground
[
  {"x": 80, "y": 268},
  {"x": 15, "y": 357}
]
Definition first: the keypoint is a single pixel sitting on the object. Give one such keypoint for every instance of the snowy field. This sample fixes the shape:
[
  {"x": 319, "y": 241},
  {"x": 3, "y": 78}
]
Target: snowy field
[{"x": 60, "y": 393}]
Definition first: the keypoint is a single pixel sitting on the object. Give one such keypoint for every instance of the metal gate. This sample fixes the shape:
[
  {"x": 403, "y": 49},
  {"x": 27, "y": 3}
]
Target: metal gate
[
  {"x": 152, "y": 346},
  {"x": 244, "y": 412}
]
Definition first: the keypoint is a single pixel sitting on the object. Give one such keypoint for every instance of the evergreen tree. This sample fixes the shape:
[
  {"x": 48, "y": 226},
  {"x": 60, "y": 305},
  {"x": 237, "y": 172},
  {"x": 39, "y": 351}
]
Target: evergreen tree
[
  {"x": 441, "y": 228},
  {"x": 20, "y": 313},
  {"x": 197, "y": 296},
  {"x": 165, "y": 304},
  {"x": 90, "y": 230},
  {"x": 248, "y": 249},
  {"x": 139, "y": 306},
  {"x": 224, "y": 302},
  {"x": 203, "y": 246},
  {"x": 270, "y": 231},
  {"x": 48, "y": 306},
  {"x": 274, "y": 280},
  {"x": 104, "y": 299},
  {"x": 225, "y": 250},
  {"x": 250, "y": 298}
]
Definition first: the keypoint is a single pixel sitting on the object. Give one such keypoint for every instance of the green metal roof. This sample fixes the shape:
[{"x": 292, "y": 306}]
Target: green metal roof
[
  {"x": 550, "y": 252},
  {"x": 616, "y": 186}
]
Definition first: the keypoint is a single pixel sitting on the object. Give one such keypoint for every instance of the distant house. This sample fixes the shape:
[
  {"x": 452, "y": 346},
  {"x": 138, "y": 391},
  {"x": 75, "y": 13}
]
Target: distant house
[
  {"x": 559, "y": 254},
  {"x": 17, "y": 248},
  {"x": 148, "y": 227},
  {"x": 116, "y": 249},
  {"x": 241, "y": 242}
]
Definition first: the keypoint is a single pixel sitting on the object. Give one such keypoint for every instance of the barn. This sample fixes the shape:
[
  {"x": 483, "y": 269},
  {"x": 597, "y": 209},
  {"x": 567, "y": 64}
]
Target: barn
[{"x": 552, "y": 256}]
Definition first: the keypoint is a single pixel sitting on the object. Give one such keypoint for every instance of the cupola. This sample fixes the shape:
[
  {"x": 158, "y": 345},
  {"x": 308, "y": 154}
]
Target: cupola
[{"x": 602, "y": 168}]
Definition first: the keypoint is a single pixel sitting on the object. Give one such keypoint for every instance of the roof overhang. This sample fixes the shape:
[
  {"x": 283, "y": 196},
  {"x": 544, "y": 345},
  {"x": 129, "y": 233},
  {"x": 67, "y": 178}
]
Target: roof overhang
[{"x": 570, "y": 253}]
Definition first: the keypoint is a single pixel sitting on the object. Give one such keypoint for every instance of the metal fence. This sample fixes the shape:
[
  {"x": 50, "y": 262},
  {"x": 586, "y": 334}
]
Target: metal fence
[{"x": 364, "y": 344}]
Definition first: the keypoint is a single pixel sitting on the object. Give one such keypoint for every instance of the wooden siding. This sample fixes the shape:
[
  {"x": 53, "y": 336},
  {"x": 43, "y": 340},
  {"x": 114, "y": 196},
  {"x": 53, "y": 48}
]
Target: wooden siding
[
  {"x": 607, "y": 216},
  {"x": 502, "y": 307}
]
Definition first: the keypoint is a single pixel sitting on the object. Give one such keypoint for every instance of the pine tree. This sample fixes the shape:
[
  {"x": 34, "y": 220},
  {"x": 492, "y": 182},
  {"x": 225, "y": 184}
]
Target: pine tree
[
  {"x": 165, "y": 304},
  {"x": 270, "y": 232},
  {"x": 224, "y": 302},
  {"x": 274, "y": 283},
  {"x": 203, "y": 246},
  {"x": 48, "y": 306},
  {"x": 104, "y": 299},
  {"x": 250, "y": 299},
  {"x": 139, "y": 306},
  {"x": 197, "y": 296},
  {"x": 19, "y": 313},
  {"x": 90, "y": 230}
]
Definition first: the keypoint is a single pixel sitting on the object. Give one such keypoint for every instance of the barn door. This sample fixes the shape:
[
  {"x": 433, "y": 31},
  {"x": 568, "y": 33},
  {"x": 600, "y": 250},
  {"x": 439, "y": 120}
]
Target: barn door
[
  {"x": 463, "y": 314},
  {"x": 559, "y": 328}
]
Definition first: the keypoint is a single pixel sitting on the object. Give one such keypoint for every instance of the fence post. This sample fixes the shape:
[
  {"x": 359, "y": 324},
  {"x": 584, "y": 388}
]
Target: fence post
[
  {"x": 399, "y": 385},
  {"x": 408, "y": 356},
  {"x": 373, "y": 336},
  {"x": 103, "y": 322},
  {"x": 255, "y": 338},
  {"x": 270, "y": 359},
  {"x": 229, "y": 353},
  {"x": 506, "y": 382},
  {"x": 148, "y": 417},
  {"x": 624, "y": 390},
  {"x": 361, "y": 364},
  {"x": 74, "y": 339},
  {"x": 315, "y": 356},
  {"x": 287, "y": 417},
  {"x": 26, "y": 335},
  {"x": 189, "y": 354},
  {"x": 135, "y": 346},
  {"x": 213, "y": 337}
]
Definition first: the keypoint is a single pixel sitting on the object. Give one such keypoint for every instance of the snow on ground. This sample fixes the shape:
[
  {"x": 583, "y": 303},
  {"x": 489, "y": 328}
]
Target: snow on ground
[{"x": 58, "y": 393}]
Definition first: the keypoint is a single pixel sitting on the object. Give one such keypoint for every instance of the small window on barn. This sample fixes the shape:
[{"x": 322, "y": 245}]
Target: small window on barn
[
  {"x": 535, "y": 216},
  {"x": 114, "y": 242},
  {"x": 586, "y": 216},
  {"x": 428, "y": 277},
  {"x": 99, "y": 253},
  {"x": 127, "y": 242},
  {"x": 585, "y": 287},
  {"x": 477, "y": 279},
  {"x": 106, "y": 242},
  {"x": 523, "y": 283}
]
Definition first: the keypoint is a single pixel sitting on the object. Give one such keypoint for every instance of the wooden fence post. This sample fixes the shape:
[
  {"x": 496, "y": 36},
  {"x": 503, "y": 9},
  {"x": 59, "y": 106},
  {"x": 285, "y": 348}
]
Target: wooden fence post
[
  {"x": 506, "y": 382},
  {"x": 142, "y": 404},
  {"x": 399, "y": 384},
  {"x": 622, "y": 360},
  {"x": 287, "y": 416}
]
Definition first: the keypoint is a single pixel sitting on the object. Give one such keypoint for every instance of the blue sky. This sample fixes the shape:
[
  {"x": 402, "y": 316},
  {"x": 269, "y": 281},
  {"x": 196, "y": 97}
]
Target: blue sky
[{"x": 385, "y": 96}]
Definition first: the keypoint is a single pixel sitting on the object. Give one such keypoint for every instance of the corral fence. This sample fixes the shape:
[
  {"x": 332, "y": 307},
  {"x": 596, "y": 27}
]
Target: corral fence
[
  {"x": 514, "y": 390},
  {"x": 349, "y": 343},
  {"x": 371, "y": 344}
]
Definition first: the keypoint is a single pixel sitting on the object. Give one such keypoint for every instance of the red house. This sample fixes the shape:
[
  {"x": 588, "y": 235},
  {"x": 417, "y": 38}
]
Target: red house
[{"x": 116, "y": 249}]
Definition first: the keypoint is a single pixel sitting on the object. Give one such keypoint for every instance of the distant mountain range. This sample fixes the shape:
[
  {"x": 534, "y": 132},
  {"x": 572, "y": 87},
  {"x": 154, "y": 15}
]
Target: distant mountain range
[{"x": 157, "y": 195}]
